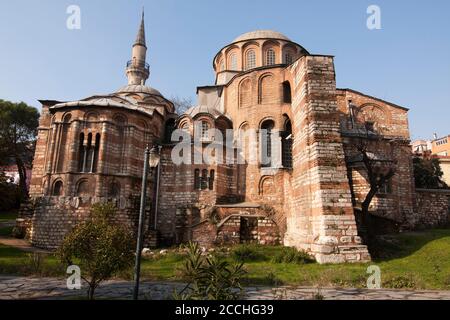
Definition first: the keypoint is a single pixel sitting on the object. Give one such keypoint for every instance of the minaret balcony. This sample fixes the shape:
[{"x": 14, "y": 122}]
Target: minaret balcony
[{"x": 139, "y": 64}]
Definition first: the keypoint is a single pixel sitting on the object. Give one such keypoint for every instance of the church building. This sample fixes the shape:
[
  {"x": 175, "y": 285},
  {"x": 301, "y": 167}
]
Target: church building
[{"x": 272, "y": 97}]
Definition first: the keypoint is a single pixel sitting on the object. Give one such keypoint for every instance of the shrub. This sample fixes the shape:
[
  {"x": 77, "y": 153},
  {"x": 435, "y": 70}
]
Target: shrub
[
  {"x": 246, "y": 253},
  {"x": 292, "y": 255},
  {"x": 210, "y": 277},
  {"x": 99, "y": 247},
  {"x": 400, "y": 282}
]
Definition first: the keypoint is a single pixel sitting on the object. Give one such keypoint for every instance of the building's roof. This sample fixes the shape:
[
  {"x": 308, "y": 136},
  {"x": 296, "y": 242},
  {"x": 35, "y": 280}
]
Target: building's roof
[
  {"x": 202, "y": 109},
  {"x": 139, "y": 88},
  {"x": 261, "y": 34}
]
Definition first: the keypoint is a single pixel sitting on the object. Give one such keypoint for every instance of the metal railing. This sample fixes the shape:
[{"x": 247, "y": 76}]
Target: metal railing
[{"x": 138, "y": 64}]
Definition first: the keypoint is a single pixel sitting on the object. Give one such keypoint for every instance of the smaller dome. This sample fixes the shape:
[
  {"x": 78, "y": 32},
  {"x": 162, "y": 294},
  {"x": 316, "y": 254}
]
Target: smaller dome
[
  {"x": 192, "y": 112},
  {"x": 138, "y": 88},
  {"x": 261, "y": 34}
]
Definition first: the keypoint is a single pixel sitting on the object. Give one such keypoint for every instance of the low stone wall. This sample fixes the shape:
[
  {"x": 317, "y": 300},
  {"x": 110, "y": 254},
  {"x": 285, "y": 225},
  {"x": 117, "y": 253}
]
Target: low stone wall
[
  {"x": 47, "y": 220},
  {"x": 432, "y": 208}
]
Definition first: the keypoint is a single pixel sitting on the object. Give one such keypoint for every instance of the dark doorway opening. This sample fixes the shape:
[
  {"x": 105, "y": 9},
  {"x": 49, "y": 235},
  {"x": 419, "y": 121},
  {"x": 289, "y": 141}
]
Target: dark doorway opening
[{"x": 249, "y": 230}]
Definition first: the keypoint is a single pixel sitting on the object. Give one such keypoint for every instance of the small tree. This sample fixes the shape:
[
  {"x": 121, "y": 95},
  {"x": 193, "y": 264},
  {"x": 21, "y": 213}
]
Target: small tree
[
  {"x": 18, "y": 129},
  {"x": 99, "y": 247},
  {"x": 379, "y": 171},
  {"x": 428, "y": 173},
  {"x": 181, "y": 104},
  {"x": 210, "y": 277}
]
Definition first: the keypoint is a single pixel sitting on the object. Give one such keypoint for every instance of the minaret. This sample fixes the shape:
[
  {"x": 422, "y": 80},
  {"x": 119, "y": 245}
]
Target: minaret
[{"x": 137, "y": 69}]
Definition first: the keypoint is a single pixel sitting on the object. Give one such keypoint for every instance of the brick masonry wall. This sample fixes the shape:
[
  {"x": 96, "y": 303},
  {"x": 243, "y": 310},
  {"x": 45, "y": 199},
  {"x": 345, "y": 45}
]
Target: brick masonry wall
[
  {"x": 433, "y": 208},
  {"x": 322, "y": 220}
]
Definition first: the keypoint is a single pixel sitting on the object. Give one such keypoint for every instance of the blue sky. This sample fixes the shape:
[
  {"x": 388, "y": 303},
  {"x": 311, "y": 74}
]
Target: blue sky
[{"x": 406, "y": 62}]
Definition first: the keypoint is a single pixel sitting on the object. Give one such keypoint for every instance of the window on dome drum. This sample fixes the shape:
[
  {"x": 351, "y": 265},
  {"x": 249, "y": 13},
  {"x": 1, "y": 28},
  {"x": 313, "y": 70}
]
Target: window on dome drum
[
  {"x": 196, "y": 179},
  {"x": 288, "y": 58},
  {"x": 270, "y": 57},
  {"x": 221, "y": 65},
  {"x": 266, "y": 143},
  {"x": 250, "y": 61},
  {"x": 211, "y": 180},
  {"x": 233, "y": 61}
]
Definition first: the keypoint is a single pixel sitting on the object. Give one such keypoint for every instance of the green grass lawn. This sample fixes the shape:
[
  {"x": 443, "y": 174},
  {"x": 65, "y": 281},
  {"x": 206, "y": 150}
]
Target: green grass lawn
[{"x": 418, "y": 260}]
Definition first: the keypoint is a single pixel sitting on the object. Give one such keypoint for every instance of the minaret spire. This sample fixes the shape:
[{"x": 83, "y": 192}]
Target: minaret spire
[
  {"x": 140, "y": 38},
  {"x": 137, "y": 68}
]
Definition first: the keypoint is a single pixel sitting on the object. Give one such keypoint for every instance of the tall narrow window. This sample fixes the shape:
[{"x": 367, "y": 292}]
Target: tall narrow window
[
  {"x": 250, "y": 61},
  {"x": 270, "y": 57},
  {"x": 287, "y": 145},
  {"x": 204, "y": 130},
  {"x": 95, "y": 151},
  {"x": 196, "y": 179},
  {"x": 266, "y": 143},
  {"x": 81, "y": 153},
  {"x": 233, "y": 61},
  {"x": 89, "y": 156},
  {"x": 204, "y": 180},
  {"x": 287, "y": 95},
  {"x": 211, "y": 180}
]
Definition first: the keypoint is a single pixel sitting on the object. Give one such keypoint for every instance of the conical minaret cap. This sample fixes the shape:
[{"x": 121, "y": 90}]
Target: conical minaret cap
[{"x": 140, "y": 38}]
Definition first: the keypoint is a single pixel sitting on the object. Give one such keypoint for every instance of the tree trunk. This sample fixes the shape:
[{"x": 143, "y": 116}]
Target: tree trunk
[
  {"x": 91, "y": 291},
  {"x": 22, "y": 175},
  {"x": 368, "y": 217}
]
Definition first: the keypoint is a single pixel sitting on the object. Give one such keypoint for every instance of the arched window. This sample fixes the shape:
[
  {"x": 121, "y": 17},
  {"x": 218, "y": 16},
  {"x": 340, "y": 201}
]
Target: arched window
[
  {"x": 211, "y": 180},
  {"x": 250, "y": 59},
  {"x": 286, "y": 145},
  {"x": 270, "y": 57},
  {"x": 288, "y": 58},
  {"x": 233, "y": 61},
  {"x": 287, "y": 94},
  {"x": 57, "y": 188},
  {"x": 266, "y": 143},
  {"x": 83, "y": 188}
]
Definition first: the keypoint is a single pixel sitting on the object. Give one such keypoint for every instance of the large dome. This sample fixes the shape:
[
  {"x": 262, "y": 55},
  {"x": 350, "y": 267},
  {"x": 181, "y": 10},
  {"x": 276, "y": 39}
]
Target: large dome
[{"x": 261, "y": 34}]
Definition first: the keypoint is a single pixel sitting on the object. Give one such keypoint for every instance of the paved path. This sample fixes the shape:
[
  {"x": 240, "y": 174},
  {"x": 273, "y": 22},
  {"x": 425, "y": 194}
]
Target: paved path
[
  {"x": 52, "y": 288},
  {"x": 20, "y": 244}
]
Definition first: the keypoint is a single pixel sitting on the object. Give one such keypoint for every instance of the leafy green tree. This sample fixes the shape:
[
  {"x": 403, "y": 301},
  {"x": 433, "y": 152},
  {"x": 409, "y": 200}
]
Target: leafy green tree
[
  {"x": 210, "y": 277},
  {"x": 428, "y": 173},
  {"x": 99, "y": 247},
  {"x": 18, "y": 130}
]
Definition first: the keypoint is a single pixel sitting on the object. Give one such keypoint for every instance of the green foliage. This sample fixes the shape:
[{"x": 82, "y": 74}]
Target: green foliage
[
  {"x": 99, "y": 247},
  {"x": 210, "y": 277},
  {"x": 400, "y": 282},
  {"x": 292, "y": 255},
  {"x": 247, "y": 253},
  {"x": 428, "y": 173},
  {"x": 18, "y": 130}
]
